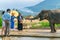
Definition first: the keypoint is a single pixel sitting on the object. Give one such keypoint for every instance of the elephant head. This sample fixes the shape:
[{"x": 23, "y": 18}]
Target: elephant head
[{"x": 42, "y": 15}]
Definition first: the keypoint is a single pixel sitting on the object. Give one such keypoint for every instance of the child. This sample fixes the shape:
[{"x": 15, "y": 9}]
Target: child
[{"x": 3, "y": 23}]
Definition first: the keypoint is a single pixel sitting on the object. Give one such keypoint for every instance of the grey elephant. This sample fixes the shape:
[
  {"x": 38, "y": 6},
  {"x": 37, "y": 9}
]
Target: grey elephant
[{"x": 53, "y": 16}]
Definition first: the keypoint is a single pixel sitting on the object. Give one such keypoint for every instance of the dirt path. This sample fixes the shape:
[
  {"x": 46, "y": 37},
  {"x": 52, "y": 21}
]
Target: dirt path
[{"x": 33, "y": 33}]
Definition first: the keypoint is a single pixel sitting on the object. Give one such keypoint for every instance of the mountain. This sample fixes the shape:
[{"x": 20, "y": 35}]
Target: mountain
[
  {"x": 26, "y": 12},
  {"x": 46, "y": 5}
]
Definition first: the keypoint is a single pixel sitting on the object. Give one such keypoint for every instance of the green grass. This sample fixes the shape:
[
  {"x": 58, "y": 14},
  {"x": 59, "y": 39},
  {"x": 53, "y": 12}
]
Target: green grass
[
  {"x": 43, "y": 25},
  {"x": 0, "y": 22}
]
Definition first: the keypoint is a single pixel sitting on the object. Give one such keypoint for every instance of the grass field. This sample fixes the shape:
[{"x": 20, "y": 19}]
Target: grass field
[
  {"x": 42, "y": 24},
  {"x": 39, "y": 24}
]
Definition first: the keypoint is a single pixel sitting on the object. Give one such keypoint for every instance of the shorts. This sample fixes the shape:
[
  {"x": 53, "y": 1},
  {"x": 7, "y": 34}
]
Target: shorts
[{"x": 3, "y": 24}]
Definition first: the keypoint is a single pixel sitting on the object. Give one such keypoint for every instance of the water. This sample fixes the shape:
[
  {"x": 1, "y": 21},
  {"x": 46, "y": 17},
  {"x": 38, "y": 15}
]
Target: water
[{"x": 32, "y": 38}]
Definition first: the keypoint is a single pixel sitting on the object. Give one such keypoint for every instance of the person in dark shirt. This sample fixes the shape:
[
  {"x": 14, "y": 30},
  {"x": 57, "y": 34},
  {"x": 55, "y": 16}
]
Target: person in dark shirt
[{"x": 20, "y": 22}]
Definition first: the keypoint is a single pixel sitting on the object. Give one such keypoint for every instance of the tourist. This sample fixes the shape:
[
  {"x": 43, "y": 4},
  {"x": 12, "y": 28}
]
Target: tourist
[
  {"x": 20, "y": 22},
  {"x": 7, "y": 19},
  {"x": 3, "y": 23},
  {"x": 12, "y": 21}
]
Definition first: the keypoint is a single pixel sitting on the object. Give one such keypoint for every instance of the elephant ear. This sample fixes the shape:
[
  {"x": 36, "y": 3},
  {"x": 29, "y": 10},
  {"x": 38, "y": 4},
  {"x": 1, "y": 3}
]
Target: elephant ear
[{"x": 46, "y": 14}]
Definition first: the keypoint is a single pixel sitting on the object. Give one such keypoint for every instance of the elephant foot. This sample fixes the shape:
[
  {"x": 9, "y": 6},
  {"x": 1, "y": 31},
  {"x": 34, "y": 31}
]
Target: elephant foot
[{"x": 53, "y": 31}]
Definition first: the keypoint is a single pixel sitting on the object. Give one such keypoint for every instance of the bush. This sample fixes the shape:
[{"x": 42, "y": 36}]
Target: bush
[
  {"x": 44, "y": 25},
  {"x": 0, "y": 22}
]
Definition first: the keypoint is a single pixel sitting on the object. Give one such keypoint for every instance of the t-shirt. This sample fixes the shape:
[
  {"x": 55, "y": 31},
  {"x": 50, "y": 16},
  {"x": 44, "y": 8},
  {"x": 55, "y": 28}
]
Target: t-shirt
[
  {"x": 20, "y": 17},
  {"x": 6, "y": 16}
]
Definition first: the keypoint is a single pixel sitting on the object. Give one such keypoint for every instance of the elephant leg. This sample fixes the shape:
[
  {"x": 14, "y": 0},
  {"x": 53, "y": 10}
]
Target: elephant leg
[{"x": 52, "y": 28}]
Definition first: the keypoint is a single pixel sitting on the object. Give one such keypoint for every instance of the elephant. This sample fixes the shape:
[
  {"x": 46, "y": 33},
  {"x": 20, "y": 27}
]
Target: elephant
[{"x": 53, "y": 16}]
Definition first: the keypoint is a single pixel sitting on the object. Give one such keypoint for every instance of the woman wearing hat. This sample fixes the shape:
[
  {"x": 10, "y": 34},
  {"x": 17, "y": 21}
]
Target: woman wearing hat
[{"x": 12, "y": 21}]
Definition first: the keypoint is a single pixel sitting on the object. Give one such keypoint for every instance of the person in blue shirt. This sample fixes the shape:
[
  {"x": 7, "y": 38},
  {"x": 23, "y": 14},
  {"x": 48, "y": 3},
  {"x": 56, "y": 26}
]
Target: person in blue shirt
[
  {"x": 12, "y": 21},
  {"x": 7, "y": 18},
  {"x": 20, "y": 22}
]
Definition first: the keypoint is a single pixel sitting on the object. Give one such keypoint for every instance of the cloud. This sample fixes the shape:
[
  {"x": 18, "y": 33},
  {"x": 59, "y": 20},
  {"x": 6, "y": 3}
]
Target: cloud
[
  {"x": 27, "y": 10},
  {"x": 4, "y": 4}
]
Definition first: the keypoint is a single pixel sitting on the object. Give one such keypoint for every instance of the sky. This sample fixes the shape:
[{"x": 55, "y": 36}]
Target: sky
[{"x": 5, "y": 4}]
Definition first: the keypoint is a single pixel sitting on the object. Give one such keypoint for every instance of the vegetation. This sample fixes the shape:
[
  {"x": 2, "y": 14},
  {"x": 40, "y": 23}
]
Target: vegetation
[
  {"x": 0, "y": 22},
  {"x": 42, "y": 24}
]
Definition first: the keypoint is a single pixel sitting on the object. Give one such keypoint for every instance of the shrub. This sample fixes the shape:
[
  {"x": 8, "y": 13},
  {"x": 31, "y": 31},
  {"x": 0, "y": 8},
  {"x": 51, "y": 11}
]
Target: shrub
[
  {"x": 44, "y": 25},
  {"x": 0, "y": 22}
]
